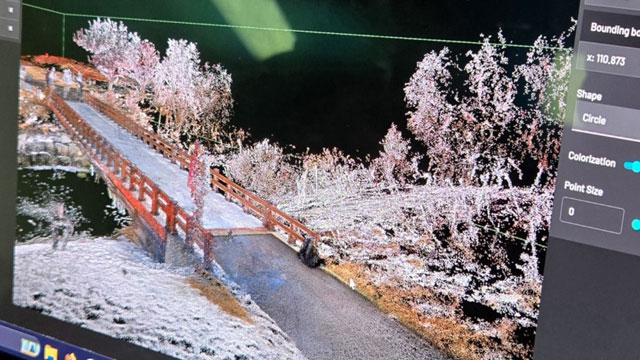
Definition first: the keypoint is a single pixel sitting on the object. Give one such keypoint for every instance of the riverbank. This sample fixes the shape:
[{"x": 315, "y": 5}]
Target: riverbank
[
  {"x": 112, "y": 286},
  {"x": 41, "y": 140}
]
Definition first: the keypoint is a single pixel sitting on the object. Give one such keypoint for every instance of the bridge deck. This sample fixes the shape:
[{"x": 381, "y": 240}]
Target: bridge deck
[
  {"x": 325, "y": 318},
  {"x": 219, "y": 213}
]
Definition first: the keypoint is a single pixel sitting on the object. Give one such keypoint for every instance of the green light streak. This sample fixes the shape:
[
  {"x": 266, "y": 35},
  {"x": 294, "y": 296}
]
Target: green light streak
[
  {"x": 260, "y": 44},
  {"x": 295, "y": 31}
]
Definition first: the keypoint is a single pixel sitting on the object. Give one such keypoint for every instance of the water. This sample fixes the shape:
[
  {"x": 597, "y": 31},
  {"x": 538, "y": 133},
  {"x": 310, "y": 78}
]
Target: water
[{"x": 85, "y": 198}]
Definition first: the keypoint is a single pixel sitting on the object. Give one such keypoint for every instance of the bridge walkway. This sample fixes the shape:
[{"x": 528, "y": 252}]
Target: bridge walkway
[{"x": 219, "y": 213}]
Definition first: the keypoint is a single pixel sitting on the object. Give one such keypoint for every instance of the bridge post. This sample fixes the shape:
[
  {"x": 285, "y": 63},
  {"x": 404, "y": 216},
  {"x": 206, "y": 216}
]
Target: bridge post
[
  {"x": 141, "y": 188},
  {"x": 291, "y": 239},
  {"x": 171, "y": 210},
  {"x": 268, "y": 220},
  {"x": 96, "y": 145},
  {"x": 90, "y": 140},
  {"x": 188, "y": 238},
  {"x": 102, "y": 150},
  {"x": 110, "y": 157},
  {"x": 116, "y": 165},
  {"x": 208, "y": 250},
  {"x": 109, "y": 152},
  {"x": 123, "y": 170},
  {"x": 133, "y": 178},
  {"x": 154, "y": 201}
]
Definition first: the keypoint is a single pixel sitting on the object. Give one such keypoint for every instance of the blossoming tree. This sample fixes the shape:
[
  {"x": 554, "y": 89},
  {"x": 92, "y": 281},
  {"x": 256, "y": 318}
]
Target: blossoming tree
[
  {"x": 140, "y": 65},
  {"x": 193, "y": 99},
  {"x": 482, "y": 134},
  {"x": 111, "y": 46}
]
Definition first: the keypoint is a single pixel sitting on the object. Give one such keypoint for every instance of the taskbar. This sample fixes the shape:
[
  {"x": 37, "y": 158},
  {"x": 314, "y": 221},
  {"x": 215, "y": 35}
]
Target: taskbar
[{"x": 25, "y": 344}]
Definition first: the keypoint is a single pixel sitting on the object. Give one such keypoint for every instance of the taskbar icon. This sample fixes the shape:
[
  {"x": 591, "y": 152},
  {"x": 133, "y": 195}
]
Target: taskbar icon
[{"x": 30, "y": 347}]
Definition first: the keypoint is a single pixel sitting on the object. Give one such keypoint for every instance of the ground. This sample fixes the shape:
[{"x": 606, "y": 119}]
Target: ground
[
  {"x": 392, "y": 260},
  {"x": 110, "y": 286},
  {"x": 387, "y": 244},
  {"x": 326, "y": 318}
]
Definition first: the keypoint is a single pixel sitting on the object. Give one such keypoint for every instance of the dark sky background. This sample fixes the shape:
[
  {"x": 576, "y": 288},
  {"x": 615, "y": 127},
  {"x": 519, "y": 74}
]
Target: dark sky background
[{"x": 321, "y": 90}]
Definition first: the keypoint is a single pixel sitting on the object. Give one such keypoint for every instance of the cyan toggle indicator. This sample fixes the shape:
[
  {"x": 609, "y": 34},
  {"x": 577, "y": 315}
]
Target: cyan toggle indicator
[
  {"x": 635, "y": 225},
  {"x": 632, "y": 166}
]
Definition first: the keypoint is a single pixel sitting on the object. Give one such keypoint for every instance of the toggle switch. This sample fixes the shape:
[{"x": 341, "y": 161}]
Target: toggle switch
[{"x": 632, "y": 166}]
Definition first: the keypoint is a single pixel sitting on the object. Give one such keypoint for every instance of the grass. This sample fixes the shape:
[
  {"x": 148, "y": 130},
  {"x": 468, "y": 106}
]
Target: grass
[
  {"x": 449, "y": 335},
  {"x": 216, "y": 292},
  {"x": 219, "y": 295}
]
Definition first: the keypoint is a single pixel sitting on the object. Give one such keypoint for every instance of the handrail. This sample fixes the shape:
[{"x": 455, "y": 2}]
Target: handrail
[
  {"x": 272, "y": 217},
  {"x": 120, "y": 171}
]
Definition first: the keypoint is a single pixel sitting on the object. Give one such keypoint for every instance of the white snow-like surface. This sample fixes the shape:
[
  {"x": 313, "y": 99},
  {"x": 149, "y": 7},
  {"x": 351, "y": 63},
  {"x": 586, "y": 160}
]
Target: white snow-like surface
[
  {"x": 218, "y": 212},
  {"x": 113, "y": 287},
  {"x": 74, "y": 169}
]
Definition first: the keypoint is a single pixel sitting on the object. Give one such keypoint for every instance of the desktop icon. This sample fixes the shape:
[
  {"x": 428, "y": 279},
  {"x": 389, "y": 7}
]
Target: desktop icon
[
  {"x": 50, "y": 353},
  {"x": 71, "y": 356},
  {"x": 30, "y": 348}
]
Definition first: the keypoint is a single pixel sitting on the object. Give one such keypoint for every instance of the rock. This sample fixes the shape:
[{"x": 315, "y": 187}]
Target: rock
[
  {"x": 64, "y": 160},
  {"x": 84, "y": 162},
  {"x": 64, "y": 138},
  {"x": 74, "y": 150},
  {"x": 41, "y": 158},
  {"x": 309, "y": 254},
  {"x": 62, "y": 149},
  {"x": 34, "y": 147},
  {"x": 22, "y": 139},
  {"x": 50, "y": 147},
  {"x": 23, "y": 160}
]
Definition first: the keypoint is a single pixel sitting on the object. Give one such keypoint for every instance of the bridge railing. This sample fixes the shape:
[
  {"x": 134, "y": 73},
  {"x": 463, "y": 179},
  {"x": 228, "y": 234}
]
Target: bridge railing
[
  {"x": 272, "y": 217},
  {"x": 160, "y": 145},
  {"x": 150, "y": 200}
]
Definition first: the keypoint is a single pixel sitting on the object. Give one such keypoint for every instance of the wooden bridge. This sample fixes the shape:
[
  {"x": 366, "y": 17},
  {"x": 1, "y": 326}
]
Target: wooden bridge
[
  {"x": 155, "y": 187},
  {"x": 325, "y": 318}
]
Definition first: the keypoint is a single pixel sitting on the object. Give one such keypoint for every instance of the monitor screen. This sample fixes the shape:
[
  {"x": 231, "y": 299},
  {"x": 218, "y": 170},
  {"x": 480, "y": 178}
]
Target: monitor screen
[{"x": 280, "y": 179}]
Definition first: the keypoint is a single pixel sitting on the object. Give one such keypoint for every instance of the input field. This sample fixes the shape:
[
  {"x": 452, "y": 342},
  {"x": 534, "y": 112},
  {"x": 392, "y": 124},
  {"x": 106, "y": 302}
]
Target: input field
[
  {"x": 606, "y": 120},
  {"x": 592, "y": 215},
  {"x": 609, "y": 59},
  {"x": 616, "y": 4}
]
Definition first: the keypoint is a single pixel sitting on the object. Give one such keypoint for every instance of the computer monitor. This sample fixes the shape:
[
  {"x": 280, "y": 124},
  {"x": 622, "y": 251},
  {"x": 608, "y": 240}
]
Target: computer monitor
[{"x": 280, "y": 179}]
